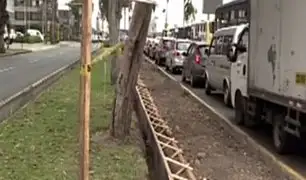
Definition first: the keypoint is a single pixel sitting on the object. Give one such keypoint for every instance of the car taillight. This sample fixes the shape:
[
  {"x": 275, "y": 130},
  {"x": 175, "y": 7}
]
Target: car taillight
[
  {"x": 198, "y": 59},
  {"x": 176, "y": 54}
]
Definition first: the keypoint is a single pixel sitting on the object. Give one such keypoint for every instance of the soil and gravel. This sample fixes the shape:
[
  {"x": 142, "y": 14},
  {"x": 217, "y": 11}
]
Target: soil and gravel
[{"x": 211, "y": 149}]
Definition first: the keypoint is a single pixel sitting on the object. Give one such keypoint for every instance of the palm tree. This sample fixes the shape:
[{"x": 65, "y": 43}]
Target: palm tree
[
  {"x": 4, "y": 21},
  {"x": 189, "y": 10}
]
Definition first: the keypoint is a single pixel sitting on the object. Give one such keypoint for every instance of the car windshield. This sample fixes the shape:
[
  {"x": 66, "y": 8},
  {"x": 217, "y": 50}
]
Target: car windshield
[
  {"x": 202, "y": 49},
  {"x": 182, "y": 46}
]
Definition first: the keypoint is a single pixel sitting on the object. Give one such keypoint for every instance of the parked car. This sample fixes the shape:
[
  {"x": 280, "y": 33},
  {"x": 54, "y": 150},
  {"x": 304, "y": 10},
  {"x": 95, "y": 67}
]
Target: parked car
[
  {"x": 147, "y": 46},
  {"x": 195, "y": 63},
  {"x": 152, "y": 49},
  {"x": 174, "y": 58},
  {"x": 218, "y": 67},
  {"x": 165, "y": 45},
  {"x": 35, "y": 32}
]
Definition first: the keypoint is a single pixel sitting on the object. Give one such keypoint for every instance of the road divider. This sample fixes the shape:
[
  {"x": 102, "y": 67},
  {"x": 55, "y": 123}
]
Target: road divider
[{"x": 239, "y": 134}]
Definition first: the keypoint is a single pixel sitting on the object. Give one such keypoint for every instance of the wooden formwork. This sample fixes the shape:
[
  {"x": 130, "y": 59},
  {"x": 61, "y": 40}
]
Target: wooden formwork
[{"x": 172, "y": 156}]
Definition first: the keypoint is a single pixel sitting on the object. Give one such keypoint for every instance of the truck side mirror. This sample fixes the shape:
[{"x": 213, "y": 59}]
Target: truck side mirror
[
  {"x": 241, "y": 48},
  {"x": 231, "y": 55}
]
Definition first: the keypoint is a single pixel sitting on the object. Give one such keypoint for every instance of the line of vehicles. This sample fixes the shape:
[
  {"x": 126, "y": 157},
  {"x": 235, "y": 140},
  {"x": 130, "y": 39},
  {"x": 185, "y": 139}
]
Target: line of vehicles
[{"x": 259, "y": 67}]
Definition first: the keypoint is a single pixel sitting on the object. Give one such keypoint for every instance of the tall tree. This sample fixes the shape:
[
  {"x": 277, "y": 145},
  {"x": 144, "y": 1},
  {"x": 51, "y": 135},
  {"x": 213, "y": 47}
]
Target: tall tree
[
  {"x": 129, "y": 69},
  {"x": 75, "y": 6},
  {"x": 112, "y": 9},
  {"x": 4, "y": 21},
  {"x": 189, "y": 10}
]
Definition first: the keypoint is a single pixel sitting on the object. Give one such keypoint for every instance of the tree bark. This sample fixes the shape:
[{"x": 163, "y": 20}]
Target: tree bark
[
  {"x": 114, "y": 27},
  {"x": 129, "y": 69},
  {"x": 2, "y": 44},
  {"x": 4, "y": 18}
]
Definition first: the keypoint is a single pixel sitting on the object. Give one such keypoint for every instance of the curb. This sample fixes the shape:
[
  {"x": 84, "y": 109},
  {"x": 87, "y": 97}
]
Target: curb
[
  {"x": 16, "y": 53},
  {"x": 269, "y": 157},
  {"x": 20, "y": 99}
]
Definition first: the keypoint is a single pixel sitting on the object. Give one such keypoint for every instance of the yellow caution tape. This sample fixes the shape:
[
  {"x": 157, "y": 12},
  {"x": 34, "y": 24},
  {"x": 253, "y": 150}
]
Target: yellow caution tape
[{"x": 85, "y": 69}]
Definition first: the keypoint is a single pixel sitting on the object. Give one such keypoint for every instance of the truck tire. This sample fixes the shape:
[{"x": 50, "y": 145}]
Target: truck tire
[
  {"x": 239, "y": 109},
  {"x": 283, "y": 141}
]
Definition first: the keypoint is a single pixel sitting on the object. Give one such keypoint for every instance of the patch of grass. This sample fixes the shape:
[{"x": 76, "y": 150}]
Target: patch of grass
[{"x": 40, "y": 142}]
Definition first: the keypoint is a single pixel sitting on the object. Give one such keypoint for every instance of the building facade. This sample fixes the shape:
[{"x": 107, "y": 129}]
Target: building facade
[
  {"x": 35, "y": 14},
  {"x": 11, "y": 10}
]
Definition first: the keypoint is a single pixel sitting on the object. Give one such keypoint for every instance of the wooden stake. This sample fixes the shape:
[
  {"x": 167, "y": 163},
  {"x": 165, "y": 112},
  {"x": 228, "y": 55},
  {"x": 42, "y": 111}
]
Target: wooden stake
[{"x": 85, "y": 88}]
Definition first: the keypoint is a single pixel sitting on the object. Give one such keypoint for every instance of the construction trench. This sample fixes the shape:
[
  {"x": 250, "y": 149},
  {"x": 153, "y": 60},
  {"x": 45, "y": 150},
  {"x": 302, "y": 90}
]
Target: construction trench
[{"x": 165, "y": 159}]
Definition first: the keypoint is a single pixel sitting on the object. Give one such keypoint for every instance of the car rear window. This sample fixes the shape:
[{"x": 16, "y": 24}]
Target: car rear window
[
  {"x": 182, "y": 46},
  {"x": 202, "y": 49},
  {"x": 169, "y": 43}
]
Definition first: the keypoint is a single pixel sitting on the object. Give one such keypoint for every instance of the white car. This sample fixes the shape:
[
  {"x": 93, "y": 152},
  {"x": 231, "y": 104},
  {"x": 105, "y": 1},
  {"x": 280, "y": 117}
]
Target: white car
[{"x": 35, "y": 32}]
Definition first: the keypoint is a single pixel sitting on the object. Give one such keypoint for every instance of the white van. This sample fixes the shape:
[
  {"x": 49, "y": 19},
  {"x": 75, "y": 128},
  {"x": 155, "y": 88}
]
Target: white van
[
  {"x": 35, "y": 32},
  {"x": 218, "y": 68}
]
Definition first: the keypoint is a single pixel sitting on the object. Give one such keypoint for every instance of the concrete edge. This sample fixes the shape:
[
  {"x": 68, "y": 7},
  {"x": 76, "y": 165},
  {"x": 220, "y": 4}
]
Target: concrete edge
[
  {"x": 237, "y": 132},
  {"x": 20, "y": 99},
  {"x": 16, "y": 53}
]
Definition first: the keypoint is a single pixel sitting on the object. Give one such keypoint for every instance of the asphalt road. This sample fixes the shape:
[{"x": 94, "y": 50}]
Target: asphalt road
[
  {"x": 20, "y": 71},
  {"x": 262, "y": 136}
]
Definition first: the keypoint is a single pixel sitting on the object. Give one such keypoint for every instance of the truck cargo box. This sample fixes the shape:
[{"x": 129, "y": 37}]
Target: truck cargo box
[{"x": 277, "y": 59}]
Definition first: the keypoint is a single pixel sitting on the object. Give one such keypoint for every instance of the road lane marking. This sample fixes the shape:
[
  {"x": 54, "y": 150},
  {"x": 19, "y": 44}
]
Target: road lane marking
[
  {"x": 260, "y": 148},
  {"x": 6, "y": 69},
  {"x": 33, "y": 61}
]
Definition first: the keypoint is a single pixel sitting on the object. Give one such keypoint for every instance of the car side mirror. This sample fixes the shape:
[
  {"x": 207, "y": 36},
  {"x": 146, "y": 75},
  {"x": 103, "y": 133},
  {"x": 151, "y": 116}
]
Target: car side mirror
[
  {"x": 185, "y": 54},
  {"x": 206, "y": 51}
]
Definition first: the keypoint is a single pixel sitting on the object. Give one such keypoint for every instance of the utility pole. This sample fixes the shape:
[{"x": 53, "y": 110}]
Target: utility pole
[{"x": 85, "y": 89}]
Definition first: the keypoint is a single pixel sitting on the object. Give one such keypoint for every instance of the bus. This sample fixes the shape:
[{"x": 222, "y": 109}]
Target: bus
[{"x": 233, "y": 13}]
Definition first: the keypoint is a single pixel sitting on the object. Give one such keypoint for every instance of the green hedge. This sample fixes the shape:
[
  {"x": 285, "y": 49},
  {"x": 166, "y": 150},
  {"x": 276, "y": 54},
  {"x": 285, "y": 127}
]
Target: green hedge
[{"x": 28, "y": 39}]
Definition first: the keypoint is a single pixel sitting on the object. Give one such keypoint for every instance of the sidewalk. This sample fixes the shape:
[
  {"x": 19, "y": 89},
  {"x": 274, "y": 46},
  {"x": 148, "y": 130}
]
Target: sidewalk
[
  {"x": 12, "y": 52},
  {"x": 41, "y": 140},
  {"x": 33, "y": 47}
]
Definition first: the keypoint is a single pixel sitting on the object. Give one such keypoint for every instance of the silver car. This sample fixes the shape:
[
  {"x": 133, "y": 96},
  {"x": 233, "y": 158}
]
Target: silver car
[{"x": 175, "y": 58}]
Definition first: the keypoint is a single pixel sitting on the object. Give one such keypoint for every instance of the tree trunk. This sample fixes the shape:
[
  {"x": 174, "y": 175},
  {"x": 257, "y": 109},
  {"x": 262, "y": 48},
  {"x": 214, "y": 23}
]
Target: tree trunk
[
  {"x": 4, "y": 18},
  {"x": 129, "y": 69},
  {"x": 114, "y": 27},
  {"x": 2, "y": 44}
]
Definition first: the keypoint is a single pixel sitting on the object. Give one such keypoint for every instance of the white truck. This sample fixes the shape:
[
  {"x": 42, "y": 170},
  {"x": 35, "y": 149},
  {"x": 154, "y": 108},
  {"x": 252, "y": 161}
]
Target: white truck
[{"x": 268, "y": 75}]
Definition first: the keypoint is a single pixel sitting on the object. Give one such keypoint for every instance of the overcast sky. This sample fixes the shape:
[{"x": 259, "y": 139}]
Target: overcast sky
[{"x": 175, "y": 11}]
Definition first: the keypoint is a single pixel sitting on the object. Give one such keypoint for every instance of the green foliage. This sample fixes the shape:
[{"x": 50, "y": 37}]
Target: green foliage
[
  {"x": 74, "y": 6},
  {"x": 103, "y": 4},
  {"x": 189, "y": 10},
  {"x": 28, "y": 39},
  {"x": 40, "y": 141}
]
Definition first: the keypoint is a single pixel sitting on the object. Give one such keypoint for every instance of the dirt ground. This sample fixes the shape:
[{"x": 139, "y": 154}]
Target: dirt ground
[{"x": 213, "y": 151}]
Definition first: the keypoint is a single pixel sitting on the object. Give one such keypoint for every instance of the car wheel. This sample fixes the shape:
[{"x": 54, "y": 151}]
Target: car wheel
[
  {"x": 207, "y": 87},
  {"x": 167, "y": 67},
  {"x": 283, "y": 141},
  {"x": 239, "y": 109},
  {"x": 227, "y": 96},
  {"x": 183, "y": 79},
  {"x": 193, "y": 81},
  {"x": 172, "y": 69}
]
